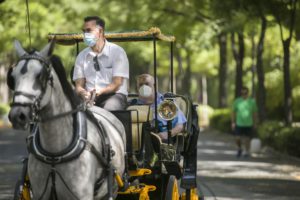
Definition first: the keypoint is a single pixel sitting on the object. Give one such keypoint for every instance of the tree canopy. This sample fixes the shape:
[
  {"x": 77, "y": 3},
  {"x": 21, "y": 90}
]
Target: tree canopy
[{"x": 196, "y": 24}]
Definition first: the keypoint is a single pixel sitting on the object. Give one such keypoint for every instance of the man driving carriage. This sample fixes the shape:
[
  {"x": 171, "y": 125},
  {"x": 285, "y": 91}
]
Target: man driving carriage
[
  {"x": 102, "y": 68},
  {"x": 145, "y": 87}
]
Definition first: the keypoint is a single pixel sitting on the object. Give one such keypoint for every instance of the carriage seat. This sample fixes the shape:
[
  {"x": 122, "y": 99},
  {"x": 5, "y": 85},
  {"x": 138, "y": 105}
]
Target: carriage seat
[{"x": 139, "y": 115}]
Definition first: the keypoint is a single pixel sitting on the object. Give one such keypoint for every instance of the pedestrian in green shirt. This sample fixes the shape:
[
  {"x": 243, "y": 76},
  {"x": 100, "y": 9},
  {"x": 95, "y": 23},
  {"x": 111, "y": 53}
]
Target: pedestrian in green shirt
[{"x": 244, "y": 115}]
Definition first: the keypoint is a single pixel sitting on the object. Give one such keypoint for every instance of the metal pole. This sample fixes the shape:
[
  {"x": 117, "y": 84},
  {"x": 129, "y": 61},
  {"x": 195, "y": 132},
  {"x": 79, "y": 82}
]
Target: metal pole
[
  {"x": 77, "y": 48},
  {"x": 28, "y": 23},
  {"x": 172, "y": 68},
  {"x": 155, "y": 81}
]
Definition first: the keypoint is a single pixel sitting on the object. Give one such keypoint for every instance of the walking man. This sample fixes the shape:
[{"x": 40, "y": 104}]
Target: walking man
[{"x": 244, "y": 119}]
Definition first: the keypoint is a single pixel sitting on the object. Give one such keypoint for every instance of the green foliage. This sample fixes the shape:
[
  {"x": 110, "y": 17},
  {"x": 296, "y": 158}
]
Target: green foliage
[
  {"x": 221, "y": 120},
  {"x": 281, "y": 138},
  {"x": 195, "y": 24},
  {"x": 268, "y": 130},
  {"x": 4, "y": 108}
]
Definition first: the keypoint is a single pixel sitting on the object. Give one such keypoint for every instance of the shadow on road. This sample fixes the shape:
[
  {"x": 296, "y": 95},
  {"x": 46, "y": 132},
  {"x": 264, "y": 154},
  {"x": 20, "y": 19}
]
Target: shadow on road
[{"x": 222, "y": 176}]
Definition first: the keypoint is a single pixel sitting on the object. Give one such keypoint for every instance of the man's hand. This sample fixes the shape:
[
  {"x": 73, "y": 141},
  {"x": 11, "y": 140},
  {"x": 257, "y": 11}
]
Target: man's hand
[
  {"x": 85, "y": 95},
  {"x": 111, "y": 88},
  {"x": 254, "y": 125},
  {"x": 233, "y": 126},
  {"x": 100, "y": 92}
]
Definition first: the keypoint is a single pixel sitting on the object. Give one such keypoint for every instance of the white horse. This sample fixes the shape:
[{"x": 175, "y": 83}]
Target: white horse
[{"x": 69, "y": 158}]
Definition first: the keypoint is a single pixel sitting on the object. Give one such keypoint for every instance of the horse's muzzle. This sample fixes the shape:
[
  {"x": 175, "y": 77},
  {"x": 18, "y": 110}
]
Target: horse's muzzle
[{"x": 20, "y": 116}]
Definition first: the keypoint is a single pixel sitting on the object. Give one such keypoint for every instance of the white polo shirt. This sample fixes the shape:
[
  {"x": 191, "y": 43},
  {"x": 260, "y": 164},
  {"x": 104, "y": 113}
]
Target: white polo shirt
[{"x": 113, "y": 62}]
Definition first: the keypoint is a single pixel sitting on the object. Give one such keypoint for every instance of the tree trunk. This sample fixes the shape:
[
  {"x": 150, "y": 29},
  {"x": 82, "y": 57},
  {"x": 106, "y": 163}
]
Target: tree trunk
[
  {"x": 179, "y": 76},
  {"x": 261, "y": 95},
  {"x": 204, "y": 90},
  {"x": 186, "y": 85},
  {"x": 253, "y": 66},
  {"x": 238, "y": 54},
  {"x": 287, "y": 82},
  {"x": 288, "y": 115},
  {"x": 222, "y": 39}
]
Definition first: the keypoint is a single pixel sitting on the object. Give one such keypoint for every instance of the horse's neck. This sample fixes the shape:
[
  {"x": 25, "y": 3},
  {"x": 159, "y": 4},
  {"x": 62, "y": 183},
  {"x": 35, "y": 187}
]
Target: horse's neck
[{"x": 56, "y": 134}]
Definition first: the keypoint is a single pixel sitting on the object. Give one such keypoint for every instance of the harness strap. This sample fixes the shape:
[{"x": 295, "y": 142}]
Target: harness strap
[
  {"x": 98, "y": 155},
  {"x": 35, "y": 57},
  {"x": 53, "y": 193},
  {"x": 81, "y": 107},
  {"x": 104, "y": 137},
  {"x": 71, "y": 152},
  {"x": 61, "y": 178},
  {"x": 99, "y": 182},
  {"x": 45, "y": 188}
]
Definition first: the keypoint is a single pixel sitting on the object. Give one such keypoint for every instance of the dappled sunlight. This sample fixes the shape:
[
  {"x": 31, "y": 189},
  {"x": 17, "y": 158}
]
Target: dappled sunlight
[
  {"x": 6, "y": 142},
  {"x": 247, "y": 169},
  {"x": 212, "y": 143},
  {"x": 214, "y": 152},
  {"x": 263, "y": 176}
]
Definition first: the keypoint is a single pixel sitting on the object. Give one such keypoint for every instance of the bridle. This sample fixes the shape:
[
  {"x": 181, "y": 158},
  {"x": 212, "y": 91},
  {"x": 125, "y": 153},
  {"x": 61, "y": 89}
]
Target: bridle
[{"x": 35, "y": 103}]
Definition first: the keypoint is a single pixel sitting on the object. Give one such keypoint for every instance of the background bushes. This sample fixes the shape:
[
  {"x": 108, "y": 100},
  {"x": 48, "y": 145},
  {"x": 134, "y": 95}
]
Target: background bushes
[
  {"x": 221, "y": 120},
  {"x": 281, "y": 138},
  {"x": 272, "y": 133}
]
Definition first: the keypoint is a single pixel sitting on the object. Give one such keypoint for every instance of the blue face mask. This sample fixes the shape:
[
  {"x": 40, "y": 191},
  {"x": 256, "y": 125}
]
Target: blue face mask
[{"x": 90, "y": 39}]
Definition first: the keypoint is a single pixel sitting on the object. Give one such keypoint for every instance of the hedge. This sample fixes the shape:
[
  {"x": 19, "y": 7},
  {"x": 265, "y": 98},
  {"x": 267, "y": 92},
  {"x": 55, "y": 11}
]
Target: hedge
[
  {"x": 281, "y": 138},
  {"x": 272, "y": 133},
  {"x": 221, "y": 120}
]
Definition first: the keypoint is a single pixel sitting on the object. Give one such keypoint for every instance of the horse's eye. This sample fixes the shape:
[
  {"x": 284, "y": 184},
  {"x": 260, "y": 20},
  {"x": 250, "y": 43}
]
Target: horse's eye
[{"x": 40, "y": 77}]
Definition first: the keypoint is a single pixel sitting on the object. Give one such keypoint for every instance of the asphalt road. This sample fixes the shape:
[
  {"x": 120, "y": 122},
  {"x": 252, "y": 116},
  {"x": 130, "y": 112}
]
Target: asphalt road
[
  {"x": 12, "y": 151},
  {"x": 221, "y": 175}
]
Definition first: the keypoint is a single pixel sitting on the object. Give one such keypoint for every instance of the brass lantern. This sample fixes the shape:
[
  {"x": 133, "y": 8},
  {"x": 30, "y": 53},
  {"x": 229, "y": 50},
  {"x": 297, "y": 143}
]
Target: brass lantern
[{"x": 167, "y": 110}]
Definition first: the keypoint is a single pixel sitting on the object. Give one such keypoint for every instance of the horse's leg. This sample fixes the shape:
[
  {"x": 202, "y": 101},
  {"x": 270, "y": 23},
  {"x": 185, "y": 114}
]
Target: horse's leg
[
  {"x": 78, "y": 178},
  {"x": 38, "y": 173}
]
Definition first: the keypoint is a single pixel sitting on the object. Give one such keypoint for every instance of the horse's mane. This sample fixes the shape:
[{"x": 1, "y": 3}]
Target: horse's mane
[{"x": 67, "y": 88}]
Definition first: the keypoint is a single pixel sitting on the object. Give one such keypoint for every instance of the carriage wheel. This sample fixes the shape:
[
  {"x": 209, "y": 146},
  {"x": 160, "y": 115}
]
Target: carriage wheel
[
  {"x": 191, "y": 194},
  {"x": 172, "y": 192}
]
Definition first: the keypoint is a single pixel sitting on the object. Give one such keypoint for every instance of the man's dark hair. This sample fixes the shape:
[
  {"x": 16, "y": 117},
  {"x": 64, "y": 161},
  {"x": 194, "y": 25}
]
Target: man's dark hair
[{"x": 99, "y": 21}]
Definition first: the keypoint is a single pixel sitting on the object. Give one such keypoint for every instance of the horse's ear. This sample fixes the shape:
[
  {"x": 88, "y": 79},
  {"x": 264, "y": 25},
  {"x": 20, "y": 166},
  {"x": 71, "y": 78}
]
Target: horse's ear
[
  {"x": 19, "y": 48},
  {"x": 48, "y": 49}
]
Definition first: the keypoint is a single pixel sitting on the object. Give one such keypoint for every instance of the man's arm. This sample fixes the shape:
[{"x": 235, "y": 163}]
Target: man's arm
[
  {"x": 177, "y": 129},
  {"x": 113, "y": 87},
  {"x": 80, "y": 89}
]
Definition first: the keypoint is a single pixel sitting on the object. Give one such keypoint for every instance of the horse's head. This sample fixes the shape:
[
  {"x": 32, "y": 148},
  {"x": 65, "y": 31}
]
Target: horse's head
[{"x": 29, "y": 80}]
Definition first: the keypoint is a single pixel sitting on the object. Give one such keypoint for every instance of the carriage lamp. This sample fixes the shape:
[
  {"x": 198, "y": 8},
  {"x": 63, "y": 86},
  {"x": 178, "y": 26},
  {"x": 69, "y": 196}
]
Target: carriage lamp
[{"x": 167, "y": 110}]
